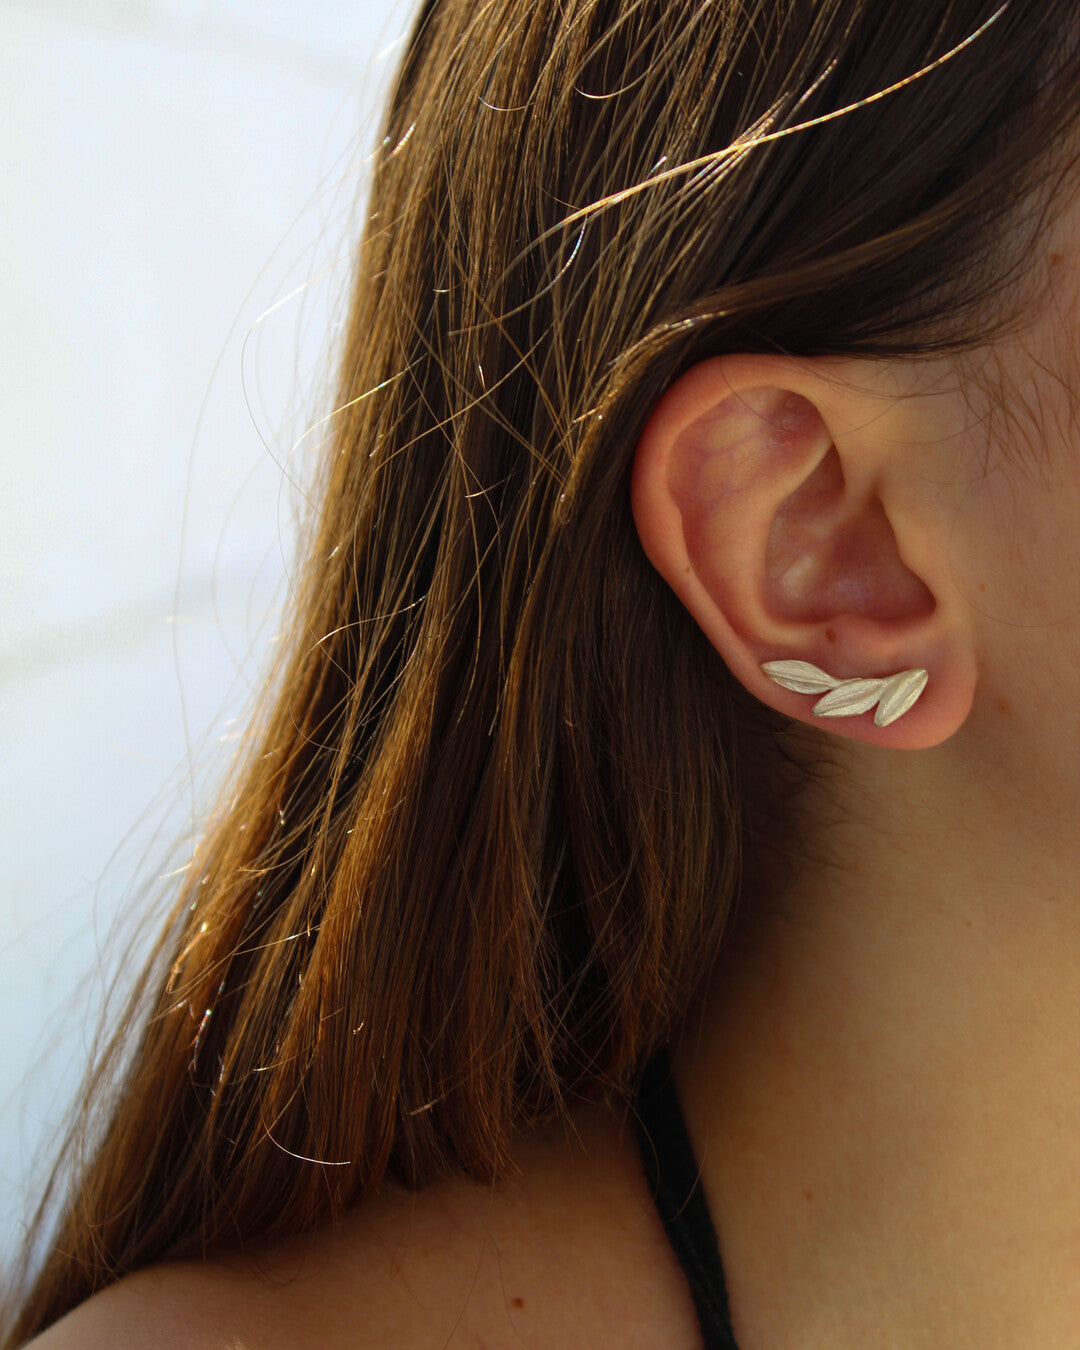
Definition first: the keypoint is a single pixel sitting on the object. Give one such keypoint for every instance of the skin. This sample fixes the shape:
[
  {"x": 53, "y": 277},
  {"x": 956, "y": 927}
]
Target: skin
[
  {"x": 882, "y": 1080},
  {"x": 561, "y": 1253}
]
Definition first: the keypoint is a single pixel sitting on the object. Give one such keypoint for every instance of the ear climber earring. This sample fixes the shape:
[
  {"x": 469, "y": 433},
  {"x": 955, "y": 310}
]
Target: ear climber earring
[{"x": 894, "y": 695}]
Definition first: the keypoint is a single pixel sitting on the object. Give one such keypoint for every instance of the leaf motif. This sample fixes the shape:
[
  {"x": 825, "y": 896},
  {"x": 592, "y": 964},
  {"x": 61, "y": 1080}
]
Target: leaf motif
[
  {"x": 899, "y": 695},
  {"x": 849, "y": 698},
  {"x": 799, "y": 676}
]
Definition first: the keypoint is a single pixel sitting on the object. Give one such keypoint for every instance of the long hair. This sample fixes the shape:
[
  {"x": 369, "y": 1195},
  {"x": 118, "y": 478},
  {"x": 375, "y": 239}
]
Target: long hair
[{"x": 500, "y": 796}]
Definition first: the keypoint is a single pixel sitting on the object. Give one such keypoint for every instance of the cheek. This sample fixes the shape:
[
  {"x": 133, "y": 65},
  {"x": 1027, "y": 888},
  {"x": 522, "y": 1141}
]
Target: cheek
[
  {"x": 1016, "y": 552},
  {"x": 1017, "y": 559}
]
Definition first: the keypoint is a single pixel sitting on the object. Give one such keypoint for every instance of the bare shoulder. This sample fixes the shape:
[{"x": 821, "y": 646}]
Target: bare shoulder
[
  {"x": 179, "y": 1306},
  {"x": 289, "y": 1295},
  {"x": 359, "y": 1285},
  {"x": 545, "y": 1259}
]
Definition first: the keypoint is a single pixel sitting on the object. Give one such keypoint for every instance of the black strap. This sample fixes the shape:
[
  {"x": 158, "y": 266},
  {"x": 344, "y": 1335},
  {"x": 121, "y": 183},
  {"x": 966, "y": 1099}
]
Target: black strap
[{"x": 673, "y": 1176}]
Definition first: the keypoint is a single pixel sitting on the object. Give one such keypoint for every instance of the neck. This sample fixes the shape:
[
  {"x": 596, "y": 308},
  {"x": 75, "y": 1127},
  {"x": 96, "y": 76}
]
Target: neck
[{"x": 882, "y": 1080}]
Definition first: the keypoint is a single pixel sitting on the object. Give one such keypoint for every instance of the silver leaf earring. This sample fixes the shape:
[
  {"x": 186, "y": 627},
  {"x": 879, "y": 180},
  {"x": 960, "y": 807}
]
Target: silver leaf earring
[{"x": 893, "y": 694}]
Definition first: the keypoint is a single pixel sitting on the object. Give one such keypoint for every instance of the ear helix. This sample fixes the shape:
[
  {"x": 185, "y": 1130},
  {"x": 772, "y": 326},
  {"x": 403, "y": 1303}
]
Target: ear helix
[{"x": 894, "y": 695}]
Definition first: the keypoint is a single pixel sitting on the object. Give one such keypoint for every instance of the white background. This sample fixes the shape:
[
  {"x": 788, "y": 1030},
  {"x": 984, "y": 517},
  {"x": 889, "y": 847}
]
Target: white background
[{"x": 179, "y": 187}]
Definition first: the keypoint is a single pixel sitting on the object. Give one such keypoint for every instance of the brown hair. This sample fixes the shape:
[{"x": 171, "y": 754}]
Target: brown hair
[{"x": 501, "y": 795}]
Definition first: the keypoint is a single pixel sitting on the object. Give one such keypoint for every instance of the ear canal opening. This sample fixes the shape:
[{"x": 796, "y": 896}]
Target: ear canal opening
[{"x": 827, "y": 556}]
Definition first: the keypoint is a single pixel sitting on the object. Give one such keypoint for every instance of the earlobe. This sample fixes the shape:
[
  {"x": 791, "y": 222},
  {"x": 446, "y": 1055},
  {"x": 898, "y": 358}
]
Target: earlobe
[{"x": 768, "y": 493}]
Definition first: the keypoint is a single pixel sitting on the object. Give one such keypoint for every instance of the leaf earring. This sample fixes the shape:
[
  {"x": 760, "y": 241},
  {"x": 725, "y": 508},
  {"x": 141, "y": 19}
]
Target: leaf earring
[{"x": 894, "y": 695}]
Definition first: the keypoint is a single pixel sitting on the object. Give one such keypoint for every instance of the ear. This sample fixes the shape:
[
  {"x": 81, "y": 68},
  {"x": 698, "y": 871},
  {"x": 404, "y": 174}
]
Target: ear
[{"x": 781, "y": 504}]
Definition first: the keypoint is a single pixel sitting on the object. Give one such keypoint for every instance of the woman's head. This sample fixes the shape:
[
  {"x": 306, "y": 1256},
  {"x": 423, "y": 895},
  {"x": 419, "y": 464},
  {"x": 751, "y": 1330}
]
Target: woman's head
[{"x": 503, "y": 791}]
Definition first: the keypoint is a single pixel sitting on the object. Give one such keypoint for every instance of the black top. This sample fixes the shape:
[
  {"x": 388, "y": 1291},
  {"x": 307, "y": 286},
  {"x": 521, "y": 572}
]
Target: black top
[{"x": 674, "y": 1180}]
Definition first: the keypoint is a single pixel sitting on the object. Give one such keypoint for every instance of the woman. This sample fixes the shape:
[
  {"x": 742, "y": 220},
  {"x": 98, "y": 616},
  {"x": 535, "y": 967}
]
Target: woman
[{"x": 684, "y": 674}]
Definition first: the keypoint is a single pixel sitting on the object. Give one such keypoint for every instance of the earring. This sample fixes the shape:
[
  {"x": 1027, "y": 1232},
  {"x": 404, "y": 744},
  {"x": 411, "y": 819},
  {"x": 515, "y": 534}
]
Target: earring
[{"x": 893, "y": 694}]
